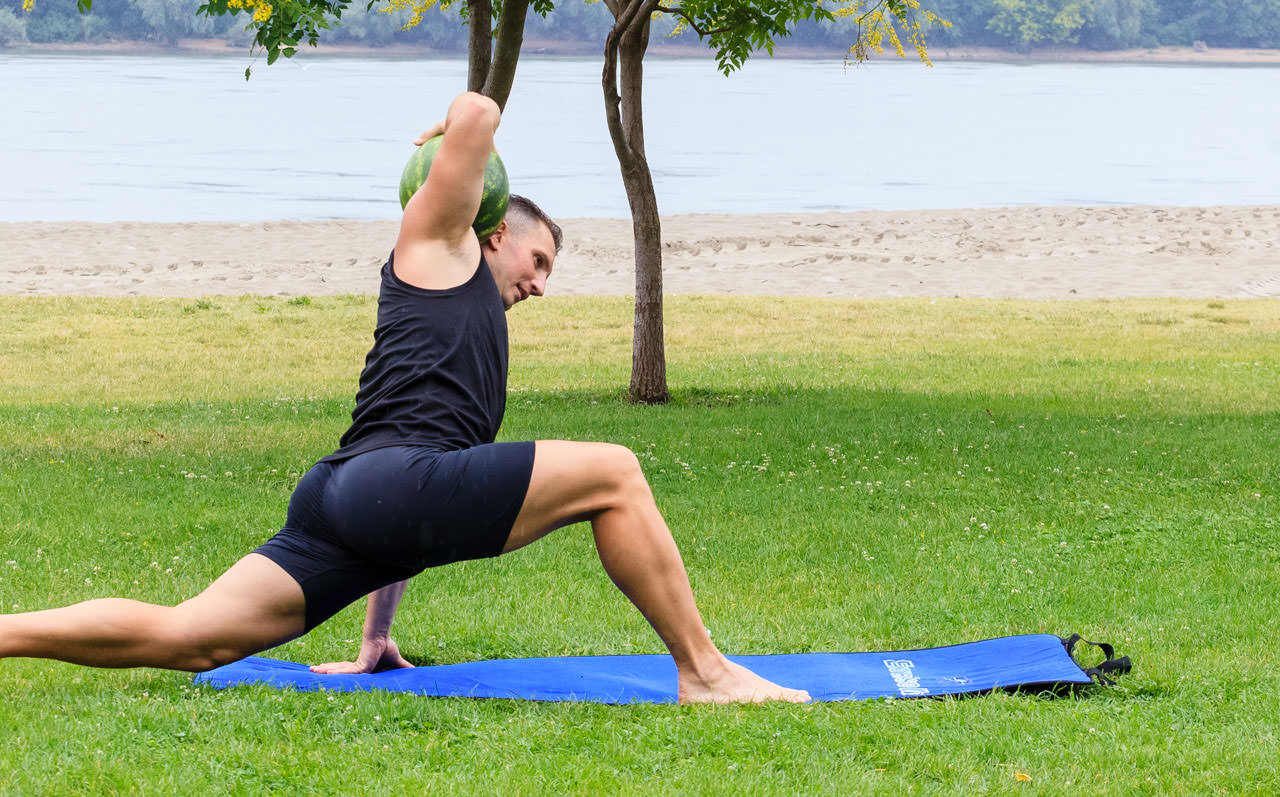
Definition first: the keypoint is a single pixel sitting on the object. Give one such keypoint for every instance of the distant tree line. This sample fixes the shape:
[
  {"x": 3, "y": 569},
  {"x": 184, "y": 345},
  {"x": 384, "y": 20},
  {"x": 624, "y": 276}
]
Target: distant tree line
[
  {"x": 1109, "y": 24},
  {"x": 168, "y": 21},
  {"x": 1019, "y": 25},
  {"x": 1023, "y": 25}
]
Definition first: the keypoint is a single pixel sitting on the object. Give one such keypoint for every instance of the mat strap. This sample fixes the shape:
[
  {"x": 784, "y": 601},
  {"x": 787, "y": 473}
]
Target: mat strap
[{"x": 1110, "y": 664}]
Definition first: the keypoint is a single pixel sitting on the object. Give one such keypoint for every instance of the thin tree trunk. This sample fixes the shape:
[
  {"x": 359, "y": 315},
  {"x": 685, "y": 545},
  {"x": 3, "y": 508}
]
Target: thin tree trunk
[
  {"x": 479, "y": 43},
  {"x": 506, "y": 51},
  {"x": 623, "y": 82}
]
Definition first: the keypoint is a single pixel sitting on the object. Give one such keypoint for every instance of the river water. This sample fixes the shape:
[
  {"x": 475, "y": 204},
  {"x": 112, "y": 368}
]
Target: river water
[{"x": 182, "y": 138}]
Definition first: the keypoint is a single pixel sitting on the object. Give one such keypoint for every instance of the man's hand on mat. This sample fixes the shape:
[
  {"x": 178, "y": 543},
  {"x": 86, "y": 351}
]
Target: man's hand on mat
[{"x": 376, "y": 655}]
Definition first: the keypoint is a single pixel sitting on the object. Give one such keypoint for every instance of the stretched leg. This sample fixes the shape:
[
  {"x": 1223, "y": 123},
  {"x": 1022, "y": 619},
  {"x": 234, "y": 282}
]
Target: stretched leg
[
  {"x": 604, "y": 484},
  {"x": 251, "y": 607}
]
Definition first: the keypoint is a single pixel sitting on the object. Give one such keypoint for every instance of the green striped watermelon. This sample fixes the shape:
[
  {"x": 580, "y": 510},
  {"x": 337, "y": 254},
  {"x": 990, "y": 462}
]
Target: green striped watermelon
[{"x": 493, "y": 202}]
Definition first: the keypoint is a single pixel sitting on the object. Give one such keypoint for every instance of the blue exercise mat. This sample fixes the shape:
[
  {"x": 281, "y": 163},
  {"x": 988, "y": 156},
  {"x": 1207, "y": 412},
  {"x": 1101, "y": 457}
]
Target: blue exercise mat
[{"x": 1032, "y": 661}]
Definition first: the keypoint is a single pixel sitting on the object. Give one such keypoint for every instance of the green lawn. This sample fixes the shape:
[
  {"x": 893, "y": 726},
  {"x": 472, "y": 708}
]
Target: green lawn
[{"x": 840, "y": 475}]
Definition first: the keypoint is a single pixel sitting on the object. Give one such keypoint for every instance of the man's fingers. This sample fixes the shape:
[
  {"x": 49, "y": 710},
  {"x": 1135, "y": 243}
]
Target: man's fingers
[
  {"x": 339, "y": 668},
  {"x": 371, "y": 660},
  {"x": 429, "y": 134}
]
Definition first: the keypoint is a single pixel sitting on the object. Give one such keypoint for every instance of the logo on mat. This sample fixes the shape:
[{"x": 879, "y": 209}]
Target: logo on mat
[{"x": 901, "y": 672}]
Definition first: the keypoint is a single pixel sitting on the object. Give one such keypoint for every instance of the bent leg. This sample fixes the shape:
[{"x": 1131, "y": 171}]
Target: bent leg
[
  {"x": 253, "y": 606},
  {"x": 604, "y": 484}
]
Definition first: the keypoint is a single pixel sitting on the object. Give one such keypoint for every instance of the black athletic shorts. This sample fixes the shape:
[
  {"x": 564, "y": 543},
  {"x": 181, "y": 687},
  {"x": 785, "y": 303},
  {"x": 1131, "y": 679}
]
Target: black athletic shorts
[{"x": 383, "y": 516}]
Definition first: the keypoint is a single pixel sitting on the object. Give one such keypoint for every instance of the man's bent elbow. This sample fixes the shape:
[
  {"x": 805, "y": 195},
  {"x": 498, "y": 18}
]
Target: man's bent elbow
[{"x": 475, "y": 111}]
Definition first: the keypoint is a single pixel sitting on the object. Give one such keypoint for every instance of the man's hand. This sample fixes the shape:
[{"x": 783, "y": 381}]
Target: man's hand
[
  {"x": 378, "y": 650},
  {"x": 376, "y": 655},
  {"x": 438, "y": 130}
]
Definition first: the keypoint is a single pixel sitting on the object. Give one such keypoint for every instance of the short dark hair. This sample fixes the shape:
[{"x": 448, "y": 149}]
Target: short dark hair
[{"x": 522, "y": 212}]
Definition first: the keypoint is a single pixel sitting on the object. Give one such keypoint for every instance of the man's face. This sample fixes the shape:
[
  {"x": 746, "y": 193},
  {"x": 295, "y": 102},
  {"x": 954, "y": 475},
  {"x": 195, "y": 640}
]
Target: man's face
[{"x": 521, "y": 262}]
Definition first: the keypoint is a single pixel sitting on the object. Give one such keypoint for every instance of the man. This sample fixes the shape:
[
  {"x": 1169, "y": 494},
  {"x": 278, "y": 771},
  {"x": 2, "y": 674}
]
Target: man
[{"x": 417, "y": 480}]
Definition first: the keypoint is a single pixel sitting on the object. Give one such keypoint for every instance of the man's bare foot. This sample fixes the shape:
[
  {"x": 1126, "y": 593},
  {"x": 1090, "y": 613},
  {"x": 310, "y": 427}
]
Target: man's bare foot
[{"x": 733, "y": 683}]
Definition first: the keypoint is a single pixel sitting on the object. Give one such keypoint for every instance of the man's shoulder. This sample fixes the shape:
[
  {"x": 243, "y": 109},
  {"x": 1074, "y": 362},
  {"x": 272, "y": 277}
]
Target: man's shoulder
[{"x": 435, "y": 264}]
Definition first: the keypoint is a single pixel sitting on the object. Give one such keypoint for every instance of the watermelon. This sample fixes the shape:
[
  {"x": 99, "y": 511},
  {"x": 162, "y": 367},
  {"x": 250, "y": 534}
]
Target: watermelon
[{"x": 493, "y": 201}]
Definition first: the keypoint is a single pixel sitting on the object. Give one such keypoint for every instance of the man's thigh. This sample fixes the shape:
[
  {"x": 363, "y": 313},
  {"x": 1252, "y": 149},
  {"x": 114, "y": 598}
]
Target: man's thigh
[
  {"x": 572, "y": 482},
  {"x": 253, "y": 606}
]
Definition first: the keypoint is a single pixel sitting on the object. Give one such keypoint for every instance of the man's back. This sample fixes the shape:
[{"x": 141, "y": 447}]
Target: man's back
[{"x": 437, "y": 373}]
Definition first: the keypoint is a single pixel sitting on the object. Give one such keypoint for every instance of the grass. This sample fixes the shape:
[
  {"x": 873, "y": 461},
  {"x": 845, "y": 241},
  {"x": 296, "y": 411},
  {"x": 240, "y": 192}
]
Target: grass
[{"x": 840, "y": 475}]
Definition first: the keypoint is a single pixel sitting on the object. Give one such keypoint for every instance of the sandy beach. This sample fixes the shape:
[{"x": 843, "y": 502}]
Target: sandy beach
[{"x": 1025, "y": 252}]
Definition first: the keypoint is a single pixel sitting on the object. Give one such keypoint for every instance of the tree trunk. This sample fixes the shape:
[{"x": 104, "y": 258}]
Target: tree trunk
[
  {"x": 625, "y": 48},
  {"x": 479, "y": 43},
  {"x": 506, "y": 51}
]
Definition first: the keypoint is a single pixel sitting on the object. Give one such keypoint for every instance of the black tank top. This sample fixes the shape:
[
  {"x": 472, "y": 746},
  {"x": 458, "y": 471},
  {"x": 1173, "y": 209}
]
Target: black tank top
[{"x": 437, "y": 373}]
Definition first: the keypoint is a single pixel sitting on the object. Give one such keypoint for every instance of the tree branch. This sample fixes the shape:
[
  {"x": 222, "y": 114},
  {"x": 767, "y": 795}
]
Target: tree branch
[
  {"x": 510, "y": 38},
  {"x": 625, "y": 21},
  {"x": 479, "y": 43},
  {"x": 693, "y": 25},
  {"x": 873, "y": 9},
  {"x": 627, "y": 15}
]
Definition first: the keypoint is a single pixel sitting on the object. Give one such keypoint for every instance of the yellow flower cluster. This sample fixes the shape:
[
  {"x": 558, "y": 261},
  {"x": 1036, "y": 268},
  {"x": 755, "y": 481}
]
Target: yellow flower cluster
[
  {"x": 415, "y": 9},
  {"x": 27, "y": 5},
  {"x": 880, "y": 20},
  {"x": 261, "y": 10}
]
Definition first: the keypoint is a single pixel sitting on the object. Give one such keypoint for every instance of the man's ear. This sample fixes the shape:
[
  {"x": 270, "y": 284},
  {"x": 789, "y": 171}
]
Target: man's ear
[{"x": 495, "y": 240}]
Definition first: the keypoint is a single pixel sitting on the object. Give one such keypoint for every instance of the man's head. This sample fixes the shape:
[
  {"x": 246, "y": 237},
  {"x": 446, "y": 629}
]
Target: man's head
[{"x": 522, "y": 251}]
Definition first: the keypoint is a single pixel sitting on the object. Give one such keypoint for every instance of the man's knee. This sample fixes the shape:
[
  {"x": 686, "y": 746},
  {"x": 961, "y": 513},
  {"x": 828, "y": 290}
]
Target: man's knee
[
  {"x": 621, "y": 468},
  {"x": 194, "y": 648},
  {"x": 196, "y": 654},
  {"x": 620, "y": 472}
]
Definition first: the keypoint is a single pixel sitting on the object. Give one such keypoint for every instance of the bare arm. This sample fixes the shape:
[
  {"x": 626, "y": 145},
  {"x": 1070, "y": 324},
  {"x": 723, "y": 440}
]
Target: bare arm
[
  {"x": 378, "y": 650},
  {"x": 437, "y": 247}
]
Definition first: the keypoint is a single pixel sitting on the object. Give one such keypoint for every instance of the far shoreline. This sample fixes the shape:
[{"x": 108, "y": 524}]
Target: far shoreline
[{"x": 535, "y": 48}]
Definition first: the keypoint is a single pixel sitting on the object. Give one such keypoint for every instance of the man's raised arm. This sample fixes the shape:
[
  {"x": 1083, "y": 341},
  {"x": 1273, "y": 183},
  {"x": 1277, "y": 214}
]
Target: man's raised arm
[{"x": 437, "y": 247}]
